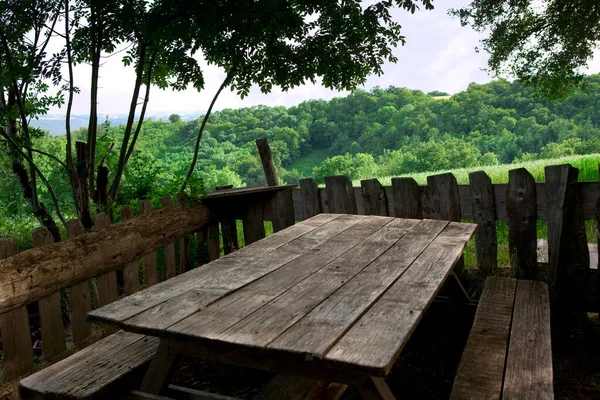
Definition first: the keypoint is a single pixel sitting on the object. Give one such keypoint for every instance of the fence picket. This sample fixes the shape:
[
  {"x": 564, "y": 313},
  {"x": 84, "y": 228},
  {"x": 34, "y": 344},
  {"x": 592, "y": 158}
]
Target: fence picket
[
  {"x": 184, "y": 243},
  {"x": 131, "y": 271},
  {"x": 107, "y": 282},
  {"x": 311, "y": 202},
  {"x": 340, "y": 195},
  {"x": 228, "y": 229},
  {"x": 169, "y": 250},
  {"x": 486, "y": 242},
  {"x": 407, "y": 198},
  {"x": 80, "y": 299},
  {"x": 51, "y": 322},
  {"x": 374, "y": 198}
]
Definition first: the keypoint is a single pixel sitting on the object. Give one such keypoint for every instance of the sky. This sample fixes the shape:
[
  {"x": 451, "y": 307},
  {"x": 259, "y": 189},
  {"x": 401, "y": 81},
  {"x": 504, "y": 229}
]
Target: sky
[{"x": 439, "y": 54}]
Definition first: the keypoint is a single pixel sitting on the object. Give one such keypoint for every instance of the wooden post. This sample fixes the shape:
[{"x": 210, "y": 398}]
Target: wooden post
[
  {"x": 442, "y": 201},
  {"x": 282, "y": 203},
  {"x": 51, "y": 322},
  {"x": 486, "y": 242},
  {"x": 254, "y": 226},
  {"x": 184, "y": 243},
  {"x": 202, "y": 247},
  {"x": 374, "y": 199},
  {"x": 228, "y": 229},
  {"x": 311, "y": 200},
  {"x": 14, "y": 327},
  {"x": 340, "y": 195},
  {"x": 169, "y": 250},
  {"x": 107, "y": 283},
  {"x": 131, "y": 270},
  {"x": 568, "y": 254},
  {"x": 150, "y": 262},
  {"x": 521, "y": 210},
  {"x": 407, "y": 198},
  {"x": 79, "y": 295}
]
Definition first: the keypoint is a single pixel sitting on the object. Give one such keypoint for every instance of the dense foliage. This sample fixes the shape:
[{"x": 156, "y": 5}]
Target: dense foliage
[{"x": 383, "y": 132}]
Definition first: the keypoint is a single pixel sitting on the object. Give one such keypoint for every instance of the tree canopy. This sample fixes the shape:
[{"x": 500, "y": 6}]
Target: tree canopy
[{"x": 543, "y": 43}]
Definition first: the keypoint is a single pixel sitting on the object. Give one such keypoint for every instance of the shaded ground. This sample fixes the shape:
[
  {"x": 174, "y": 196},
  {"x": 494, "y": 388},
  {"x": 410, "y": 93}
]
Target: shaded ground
[{"x": 426, "y": 367}]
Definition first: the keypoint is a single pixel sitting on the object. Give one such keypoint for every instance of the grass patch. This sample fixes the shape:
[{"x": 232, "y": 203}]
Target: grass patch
[{"x": 306, "y": 163}]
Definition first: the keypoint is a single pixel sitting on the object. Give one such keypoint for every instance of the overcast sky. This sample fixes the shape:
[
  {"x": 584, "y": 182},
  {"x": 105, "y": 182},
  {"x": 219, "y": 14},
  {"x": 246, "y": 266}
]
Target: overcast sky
[{"x": 439, "y": 55}]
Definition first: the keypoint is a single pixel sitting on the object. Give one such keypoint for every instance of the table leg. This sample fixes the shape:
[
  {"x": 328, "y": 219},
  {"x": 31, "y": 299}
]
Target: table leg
[
  {"x": 375, "y": 389},
  {"x": 454, "y": 289},
  {"x": 160, "y": 369}
]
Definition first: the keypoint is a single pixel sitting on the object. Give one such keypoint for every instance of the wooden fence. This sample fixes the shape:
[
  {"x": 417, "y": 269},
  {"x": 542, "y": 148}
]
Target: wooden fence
[{"x": 51, "y": 287}]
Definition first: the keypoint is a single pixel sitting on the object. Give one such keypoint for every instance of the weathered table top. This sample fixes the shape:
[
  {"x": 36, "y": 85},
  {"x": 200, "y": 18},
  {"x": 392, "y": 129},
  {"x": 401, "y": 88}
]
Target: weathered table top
[{"x": 342, "y": 291}]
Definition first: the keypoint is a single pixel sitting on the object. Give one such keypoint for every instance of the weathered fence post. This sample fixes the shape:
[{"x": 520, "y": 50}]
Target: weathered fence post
[
  {"x": 282, "y": 204},
  {"x": 374, "y": 199},
  {"x": 150, "y": 262},
  {"x": 184, "y": 243},
  {"x": 169, "y": 250},
  {"x": 79, "y": 295},
  {"x": 107, "y": 283},
  {"x": 311, "y": 199},
  {"x": 14, "y": 327},
  {"x": 486, "y": 243},
  {"x": 228, "y": 229},
  {"x": 51, "y": 322},
  {"x": 340, "y": 195},
  {"x": 521, "y": 211},
  {"x": 568, "y": 255},
  {"x": 253, "y": 220},
  {"x": 407, "y": 198},
  {"x": 131, "y": 270}
]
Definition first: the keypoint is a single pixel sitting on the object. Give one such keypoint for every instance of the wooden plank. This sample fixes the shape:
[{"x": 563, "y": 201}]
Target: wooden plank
[
  {"x": 184, "y": 243},
  {"x": 374, "y": 199},
  {"x": 340, "y": 195},
  {"x": 374, "y": 341},
  {"x": 407, "y": 198},
  {"x": 107, "y": 282},
  {"x": 202, "y": 247},
  {"x": 481, "y": 370},
  {"x": 529, "y": 360},
  {"x": 264, "y": 152},
  {"x": 150, "y": 259},
  {"x": 131, "y": 270},
  {"x": 160, "y": 369},
  {"x": 242, "y": 267},
  {"x": 522, "y": 216},
  {"x": 51, "y": 322},
  {"x": 486, "y": 242},
  {"x": 14, "y": 327},
  {"x": 311, "y": 203},
  {"x": 245, "y": 191},
  {"x": 98, "y": 371},
  {"x": 213, "y": 321},
  {"x": 568, "y": 257},
  {"x": 170, "y": 264},
  {"x": 277, "y": 316},
  {"x": 254, "y": 227},
  {"x": 80, "y": 298},
  {"x": 324, "y": 325},
  {"x": 214, "y": 242}
]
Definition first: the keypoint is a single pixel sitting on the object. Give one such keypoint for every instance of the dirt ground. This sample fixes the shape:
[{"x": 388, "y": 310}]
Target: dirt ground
[{"x": 426, "y": 367}]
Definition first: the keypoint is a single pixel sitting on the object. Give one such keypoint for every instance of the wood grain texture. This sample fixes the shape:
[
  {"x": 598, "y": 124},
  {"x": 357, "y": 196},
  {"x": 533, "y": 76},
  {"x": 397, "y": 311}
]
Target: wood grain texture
[
  {"x": 274, "y": 318},
  {"x": 254, "y": 227},
  {"x": 374, "y": 198},
  {"x": 107, "y": 282},
  {"x": 51, "y": 321},
  {"x": 522, "y": 215},
  {"x": 264, "y": 151},
  {"x": 375, "y": 340},
  {"x": 99, "y": 371},
  {"x": 529, "y": 360},
  {"x": 407, "y": 198},
  {"x": 170, "y": 262},
  {"x": 568, "y": 256},
  {"x": 214, "y": 321},
  {"x": 486, "y": 242},
  {"x": 241, "y": 267},
  {"x": 324, "y": 325},
  {"x": 310, "y": 199},
  {"x": 80, "y": 297},
  {"x": 131, "y": 270},
  {"x": 14, "y": 327},
  {"x": 340, "y": 195},
  {"x": 150, "y": 259},
  {"x": 481, "y": 370},
  {"x": 282, "y": 207}
]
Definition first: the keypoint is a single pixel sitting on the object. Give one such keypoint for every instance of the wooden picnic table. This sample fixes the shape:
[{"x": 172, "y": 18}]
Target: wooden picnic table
[{"x": 335, "y": 298}]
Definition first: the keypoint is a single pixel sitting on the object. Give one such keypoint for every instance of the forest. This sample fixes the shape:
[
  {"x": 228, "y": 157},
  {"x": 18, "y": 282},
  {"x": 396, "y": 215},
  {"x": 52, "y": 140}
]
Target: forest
[{"x": 377, "y": 133}]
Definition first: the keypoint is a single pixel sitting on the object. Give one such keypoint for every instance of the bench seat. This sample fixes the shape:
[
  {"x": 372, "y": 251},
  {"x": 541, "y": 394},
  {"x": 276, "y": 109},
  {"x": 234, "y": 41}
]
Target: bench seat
[
  {"x": 98, "y": 371},
  {"x": 508, "y": 354}
]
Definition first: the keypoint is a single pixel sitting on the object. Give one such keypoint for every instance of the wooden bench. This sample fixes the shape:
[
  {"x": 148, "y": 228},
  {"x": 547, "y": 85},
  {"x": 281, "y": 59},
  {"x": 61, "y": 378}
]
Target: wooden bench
[
  {"x": 508, "y": 354},
  {"x": 114, "y": 365}
]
